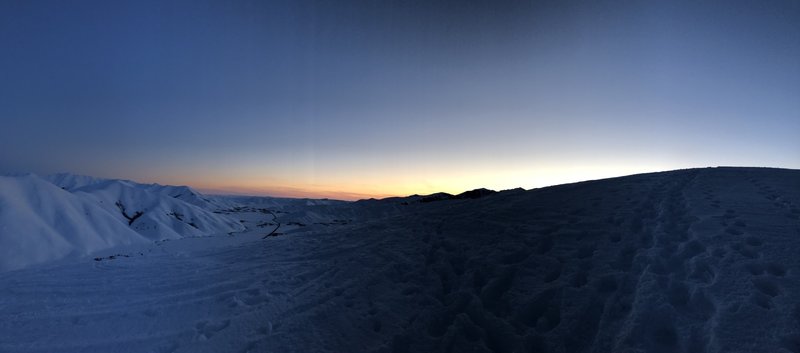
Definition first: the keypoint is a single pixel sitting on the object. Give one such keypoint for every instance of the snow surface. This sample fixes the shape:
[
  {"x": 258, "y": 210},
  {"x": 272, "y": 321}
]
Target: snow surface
[
  {"x": 40, "y": 222},
  {"x": 62, "y": 215},
  {"x": 700, "y": 260}
]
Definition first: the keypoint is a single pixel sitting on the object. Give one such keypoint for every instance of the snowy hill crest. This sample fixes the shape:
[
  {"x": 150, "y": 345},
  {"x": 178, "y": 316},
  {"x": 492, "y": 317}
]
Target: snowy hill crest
[{"x": 43, "y": 219}]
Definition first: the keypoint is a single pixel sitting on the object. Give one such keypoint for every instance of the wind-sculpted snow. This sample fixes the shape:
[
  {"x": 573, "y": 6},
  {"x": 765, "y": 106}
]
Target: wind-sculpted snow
[
  {"x": 701, "y": 260},
  {"x": 45, "y": 220}
]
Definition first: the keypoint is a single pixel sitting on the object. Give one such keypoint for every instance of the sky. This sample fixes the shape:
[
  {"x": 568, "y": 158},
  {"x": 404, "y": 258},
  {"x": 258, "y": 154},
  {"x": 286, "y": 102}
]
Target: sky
[{"x": 353, "y": 99}]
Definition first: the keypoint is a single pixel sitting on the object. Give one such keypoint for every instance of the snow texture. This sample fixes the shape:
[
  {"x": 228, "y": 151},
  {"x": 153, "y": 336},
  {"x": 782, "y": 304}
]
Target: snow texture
[
  {"x": 44, "y": 219},
  {"x": 700, "y": 260}
]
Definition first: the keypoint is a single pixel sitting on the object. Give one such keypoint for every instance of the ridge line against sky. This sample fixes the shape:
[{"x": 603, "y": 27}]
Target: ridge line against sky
[
  {"x": 290, "y": 192},
  {"x": 353, "y": 196},
  {"x": 318, "y": 98}
]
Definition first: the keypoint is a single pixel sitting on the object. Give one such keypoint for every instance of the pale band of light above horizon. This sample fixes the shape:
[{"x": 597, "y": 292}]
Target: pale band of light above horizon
[{"x": 355, "y": 99}]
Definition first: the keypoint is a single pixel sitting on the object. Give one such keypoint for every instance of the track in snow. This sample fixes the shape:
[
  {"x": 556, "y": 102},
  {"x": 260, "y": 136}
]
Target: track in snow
[{"x": 701, "y": 260}]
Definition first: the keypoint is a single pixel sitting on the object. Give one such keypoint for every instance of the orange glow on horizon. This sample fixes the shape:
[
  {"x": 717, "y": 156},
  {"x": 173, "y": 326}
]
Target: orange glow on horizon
[{"x": 392, "y": 185}]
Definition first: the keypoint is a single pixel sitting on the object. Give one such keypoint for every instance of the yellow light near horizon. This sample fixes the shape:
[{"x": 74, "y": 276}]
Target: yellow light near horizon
[{"x": 453, "y": 182}]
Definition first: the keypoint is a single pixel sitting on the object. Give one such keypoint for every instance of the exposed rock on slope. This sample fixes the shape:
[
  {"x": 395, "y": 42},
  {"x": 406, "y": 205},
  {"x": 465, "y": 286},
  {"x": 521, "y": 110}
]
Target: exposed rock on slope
[
  {"x": 162, "y": 215},
  {"x": 701, "y": 260},
  {"x": 40, "y": 222},
  {"x": 43, "y": 220}
]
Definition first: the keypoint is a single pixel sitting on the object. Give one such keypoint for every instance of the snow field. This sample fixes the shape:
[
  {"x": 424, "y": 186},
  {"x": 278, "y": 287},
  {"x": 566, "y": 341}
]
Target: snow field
[{"x": 699, "y": 260}]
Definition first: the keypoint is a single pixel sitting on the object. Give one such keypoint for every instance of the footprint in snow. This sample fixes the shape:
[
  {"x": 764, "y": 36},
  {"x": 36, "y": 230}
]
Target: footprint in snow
[{"x": 207, "y": 329}]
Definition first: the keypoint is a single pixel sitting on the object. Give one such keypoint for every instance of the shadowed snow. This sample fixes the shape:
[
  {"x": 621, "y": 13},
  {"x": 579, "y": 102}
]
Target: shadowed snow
[{"x": 700, "y": 260}]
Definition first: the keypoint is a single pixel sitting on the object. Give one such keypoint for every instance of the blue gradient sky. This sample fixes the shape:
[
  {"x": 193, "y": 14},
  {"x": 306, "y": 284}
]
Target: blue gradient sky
[{"x": 353, "y": 98}]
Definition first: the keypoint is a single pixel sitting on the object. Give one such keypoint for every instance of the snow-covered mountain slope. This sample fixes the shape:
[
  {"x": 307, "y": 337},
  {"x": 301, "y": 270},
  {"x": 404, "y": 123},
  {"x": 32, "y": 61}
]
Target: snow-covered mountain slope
[
  {"x": 47, "y": 219},
  {"x": 279, "y": 203},
  {"x": 188, "y": 195},
  {"x": 161, "y": 215},
  {"x": 69, "y": 182},
  {"x": 40, "y": 222},
  {"x": 72, "y": 182},
  {"x": 701, "y": 260}
]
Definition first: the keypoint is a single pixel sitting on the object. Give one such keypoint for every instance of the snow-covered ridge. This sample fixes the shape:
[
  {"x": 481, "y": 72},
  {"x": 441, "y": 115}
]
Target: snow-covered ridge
[{"x": 48, "y": 218}]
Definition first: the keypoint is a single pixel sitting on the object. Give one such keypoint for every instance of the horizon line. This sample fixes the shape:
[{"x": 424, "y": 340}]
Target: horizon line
[{"x": 295, "y": 192}]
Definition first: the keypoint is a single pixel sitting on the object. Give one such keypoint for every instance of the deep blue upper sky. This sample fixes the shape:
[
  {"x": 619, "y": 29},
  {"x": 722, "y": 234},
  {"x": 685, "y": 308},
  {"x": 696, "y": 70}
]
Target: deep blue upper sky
[{"x": 394, "y": 97}]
